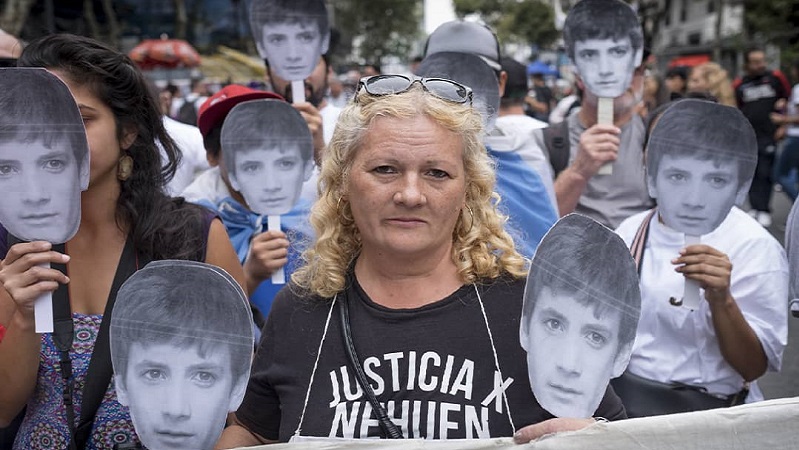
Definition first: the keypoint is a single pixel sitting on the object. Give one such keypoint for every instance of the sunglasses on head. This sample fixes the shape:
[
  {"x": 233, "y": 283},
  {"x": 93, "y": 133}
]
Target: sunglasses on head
[{"x": 442, "y": 88}]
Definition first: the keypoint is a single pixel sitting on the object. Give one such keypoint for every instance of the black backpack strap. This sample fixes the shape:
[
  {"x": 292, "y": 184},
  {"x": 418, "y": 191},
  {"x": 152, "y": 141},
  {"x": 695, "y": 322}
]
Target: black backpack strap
[
  {"x": 98, "y": 375},
  {"x": 556, "y": 140}
]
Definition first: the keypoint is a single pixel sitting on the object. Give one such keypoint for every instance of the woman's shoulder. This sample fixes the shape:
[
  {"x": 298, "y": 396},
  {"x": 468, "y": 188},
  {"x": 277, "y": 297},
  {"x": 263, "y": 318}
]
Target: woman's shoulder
[
  {"x": 503, "y": 290},
  {"x": 293, "y": 298}
]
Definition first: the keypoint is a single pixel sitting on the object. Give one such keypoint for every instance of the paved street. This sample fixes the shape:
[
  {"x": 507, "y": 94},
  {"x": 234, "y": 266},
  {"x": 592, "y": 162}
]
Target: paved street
[{"x": 785, "y": 383}]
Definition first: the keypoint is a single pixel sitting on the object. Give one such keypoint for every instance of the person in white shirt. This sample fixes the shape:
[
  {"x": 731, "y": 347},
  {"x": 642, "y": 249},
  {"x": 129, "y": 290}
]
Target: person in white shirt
[{"x": 739, "y": 330}]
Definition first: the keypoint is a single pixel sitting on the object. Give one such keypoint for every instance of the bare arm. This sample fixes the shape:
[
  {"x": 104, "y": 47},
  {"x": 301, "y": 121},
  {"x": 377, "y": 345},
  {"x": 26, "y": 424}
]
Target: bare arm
[
  {"x": 738, "y": 342},
  {"x": 237, "y": 436},
  {"x": 551, "y": 426},
  {"x": 22, "y": 282},
  {"x": 221, "y": 254},
  {"x": 598, "y": 145}
]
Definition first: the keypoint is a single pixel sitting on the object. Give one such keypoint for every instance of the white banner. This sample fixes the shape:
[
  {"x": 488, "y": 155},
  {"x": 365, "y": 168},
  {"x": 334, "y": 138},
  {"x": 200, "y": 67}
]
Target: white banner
[{"x": 772, "y": 425}]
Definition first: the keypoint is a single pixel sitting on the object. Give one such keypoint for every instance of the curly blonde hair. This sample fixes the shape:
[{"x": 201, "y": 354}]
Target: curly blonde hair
[
  {"x": 481, "y": 250},
  {"x": 717, "y": 81}
]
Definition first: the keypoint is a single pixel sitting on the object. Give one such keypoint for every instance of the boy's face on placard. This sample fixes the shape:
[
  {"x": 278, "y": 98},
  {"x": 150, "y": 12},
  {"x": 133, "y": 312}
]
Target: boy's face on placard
[
  {"x": 694, "y": 195},
  {"x": 40, "y": 186},
  {"x": 606, "y": 66},
  {"x": 293, "y": 48},
  {"x": 178, "y": 398},
  {"x": 270, "y": 178},
  {"x": 571, "y": 353}
]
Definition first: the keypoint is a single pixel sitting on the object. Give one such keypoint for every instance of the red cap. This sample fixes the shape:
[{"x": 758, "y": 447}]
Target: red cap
[{"x": 214, "y": 110}]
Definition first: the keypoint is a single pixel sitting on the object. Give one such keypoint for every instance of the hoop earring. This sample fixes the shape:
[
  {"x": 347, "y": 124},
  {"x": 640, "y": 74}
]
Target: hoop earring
[
  {"x": 471, "y": 213},
  {"x": 124, "y": 168},
  {"x": 345, "y": 220}
]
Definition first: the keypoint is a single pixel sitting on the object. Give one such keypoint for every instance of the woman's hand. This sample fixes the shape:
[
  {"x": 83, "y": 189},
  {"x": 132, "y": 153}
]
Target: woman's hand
[
  {"x": 551, "y": 426},
  {"x": 25, "y": 273},
  {"x": 710, "y": 268},
  {"x": 268, "y": 253}
]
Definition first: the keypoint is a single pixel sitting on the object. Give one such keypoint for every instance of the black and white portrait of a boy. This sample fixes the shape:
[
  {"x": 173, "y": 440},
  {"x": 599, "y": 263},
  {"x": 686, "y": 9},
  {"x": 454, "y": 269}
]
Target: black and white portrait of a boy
[
  {"x": 268, "y": 154},
  {"x": 181, "y": 339},
  {"x": 700, "y": 160},
  {"x": 581, "y": 308},
  {"x": 605, "y": 41},
  {"x": 290, "y": 35},
  {"x": 44, "y": 156}
]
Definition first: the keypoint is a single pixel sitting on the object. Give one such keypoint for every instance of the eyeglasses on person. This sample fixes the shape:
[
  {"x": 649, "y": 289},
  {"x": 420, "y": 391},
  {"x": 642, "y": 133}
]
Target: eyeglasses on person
[{"x": 379, "y": 85}]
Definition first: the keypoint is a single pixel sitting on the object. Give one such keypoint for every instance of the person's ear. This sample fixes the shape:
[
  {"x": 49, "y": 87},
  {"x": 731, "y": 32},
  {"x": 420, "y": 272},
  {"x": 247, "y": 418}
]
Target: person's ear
[
  {"x": 325, "y": 43},
  {"x": 122, "y": 393},
  {"x": 129, "y": 135},
  {"x": 503, "y": 81},
  {"x": 622, "y": 359},
  {"x": 524, "y": 333},
  {"x": 234, "y": 183},
  {"x": 308, "y": 170},
  {"x": 650, "y": 186},
  {"x": 237, "y": 394},
  {"x": 638, "y": 57}
]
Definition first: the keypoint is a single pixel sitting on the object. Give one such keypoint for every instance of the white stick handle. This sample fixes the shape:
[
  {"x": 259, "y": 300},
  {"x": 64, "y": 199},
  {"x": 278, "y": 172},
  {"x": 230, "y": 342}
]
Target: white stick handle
[
  {"x": 43, "y": 310},
  {"x": 604, "y": 116},
  {"x": 273, "y": 224},
  {"x": 690, "y": 297},
  {"x": 298, "y": 91}
]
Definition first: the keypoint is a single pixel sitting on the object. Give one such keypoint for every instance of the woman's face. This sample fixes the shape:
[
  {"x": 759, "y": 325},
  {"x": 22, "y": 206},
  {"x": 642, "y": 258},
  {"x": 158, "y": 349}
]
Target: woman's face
[
  {"x": 696, "y": 82},
  {"x": 407, "y": 187},
  {"x": 101, "y": 132}
]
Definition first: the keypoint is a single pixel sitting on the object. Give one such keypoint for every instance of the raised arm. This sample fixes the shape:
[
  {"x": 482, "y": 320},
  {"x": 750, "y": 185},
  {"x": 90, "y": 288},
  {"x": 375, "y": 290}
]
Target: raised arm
[
  {"x": 598, "y": 145},
  {"x": 22, "y": 281},
  {"x": 738, "y": 342}
]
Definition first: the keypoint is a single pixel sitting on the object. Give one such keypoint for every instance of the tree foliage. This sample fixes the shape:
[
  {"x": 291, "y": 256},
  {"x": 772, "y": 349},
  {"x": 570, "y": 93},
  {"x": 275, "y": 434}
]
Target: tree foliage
[
  {"x": 381, "y": 27},
  {"x": 519, "y": 21},
  {"x": 774, "y": 22}
]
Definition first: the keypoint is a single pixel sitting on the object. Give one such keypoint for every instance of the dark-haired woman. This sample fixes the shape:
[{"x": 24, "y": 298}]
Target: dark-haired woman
[{"x": 125, "y": 203}]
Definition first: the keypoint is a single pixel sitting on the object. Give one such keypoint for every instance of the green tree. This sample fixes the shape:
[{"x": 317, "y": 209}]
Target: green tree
[
  {"x": 518, "y": 21},
  {"x": 774, "y": 22},
  {"x": 382, "y": 27}
]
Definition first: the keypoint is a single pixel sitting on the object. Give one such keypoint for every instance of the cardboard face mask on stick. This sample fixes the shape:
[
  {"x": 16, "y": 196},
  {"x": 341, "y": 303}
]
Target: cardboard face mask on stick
[
  {"x": 181, "y": 341},
  {"x": 44, "y": 156},
  {"x": 291, "y": 35},
  {"x": 701, "y": 158},
  {"x": 268, "y": 152},
  {"x": 581, "y": 308},
  {"x": 44, "y": 164},
  {"x": 604, "y": 40}
]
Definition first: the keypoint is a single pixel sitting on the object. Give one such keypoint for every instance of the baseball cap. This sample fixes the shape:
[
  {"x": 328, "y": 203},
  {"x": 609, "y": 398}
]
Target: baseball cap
[
  {"x": 214, "y": 110},
  {"x": 516, "y": 86},
  {"x": 461, "y": 36}
]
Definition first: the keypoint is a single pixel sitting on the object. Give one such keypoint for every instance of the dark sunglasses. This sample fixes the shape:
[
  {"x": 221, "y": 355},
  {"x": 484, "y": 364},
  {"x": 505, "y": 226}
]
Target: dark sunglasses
[{"x": 396, "y": 84}]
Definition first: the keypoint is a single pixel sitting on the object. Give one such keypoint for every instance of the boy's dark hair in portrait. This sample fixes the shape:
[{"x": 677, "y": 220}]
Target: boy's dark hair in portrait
[
  {"x": 703, "y": 130},
  {"x": 601, "y": 19},
  {"x": 185, "y": 304},
  {"x": 264, "y": 12},
  {"x": 32, "y": 102},
  {"x": 246, "y": 129}
]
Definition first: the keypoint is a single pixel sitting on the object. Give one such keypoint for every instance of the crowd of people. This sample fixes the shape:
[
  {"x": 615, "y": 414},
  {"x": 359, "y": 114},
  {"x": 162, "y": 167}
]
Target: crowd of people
[{"x": 410, "y": 208}]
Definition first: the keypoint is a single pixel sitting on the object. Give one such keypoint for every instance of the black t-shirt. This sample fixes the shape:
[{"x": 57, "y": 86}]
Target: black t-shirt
[
  {"x": 756, "y": 97},
  {"x": 431, "y": 367}
]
